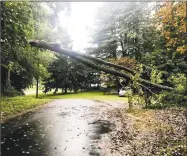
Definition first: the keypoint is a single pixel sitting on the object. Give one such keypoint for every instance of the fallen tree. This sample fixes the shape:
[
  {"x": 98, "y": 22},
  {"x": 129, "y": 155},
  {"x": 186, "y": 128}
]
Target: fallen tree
[{"x": 101, "y": 65}]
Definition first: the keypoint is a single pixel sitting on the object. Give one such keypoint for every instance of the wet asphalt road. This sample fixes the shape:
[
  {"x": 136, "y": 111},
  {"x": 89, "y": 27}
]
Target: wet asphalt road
[{"x": 69, "y": 127}]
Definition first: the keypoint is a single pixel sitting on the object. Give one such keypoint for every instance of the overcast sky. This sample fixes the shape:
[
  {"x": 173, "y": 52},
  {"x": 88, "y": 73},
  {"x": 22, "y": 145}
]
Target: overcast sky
[{"x": 79, "y": 22}]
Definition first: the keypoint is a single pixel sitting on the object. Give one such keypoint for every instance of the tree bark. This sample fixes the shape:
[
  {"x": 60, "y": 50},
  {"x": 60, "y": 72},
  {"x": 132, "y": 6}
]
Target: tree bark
[
  {"x": 37, "y": 83},
  {"x": 65, "y": 90},
  {"x": 8, "y": 77},
  {"x": 56, "y": 90}
]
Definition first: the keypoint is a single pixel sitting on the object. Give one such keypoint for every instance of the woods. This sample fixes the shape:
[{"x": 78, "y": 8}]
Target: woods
[
  {"x": 150, "y": 34},
  {"x": 77, "y": 57}
]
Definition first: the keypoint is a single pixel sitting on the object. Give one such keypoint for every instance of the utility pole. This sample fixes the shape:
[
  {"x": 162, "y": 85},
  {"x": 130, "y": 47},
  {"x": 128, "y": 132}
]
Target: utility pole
[{"x": 37, "y": 82}]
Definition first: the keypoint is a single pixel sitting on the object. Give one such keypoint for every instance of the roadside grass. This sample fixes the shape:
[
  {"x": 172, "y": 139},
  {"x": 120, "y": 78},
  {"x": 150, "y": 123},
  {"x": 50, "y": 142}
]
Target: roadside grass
[
  {"x": 91, "y": 95},
  {"x": 13, "y": 106}
]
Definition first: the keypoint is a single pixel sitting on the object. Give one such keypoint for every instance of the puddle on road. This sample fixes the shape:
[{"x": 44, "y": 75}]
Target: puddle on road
[
  {"x": 103, "y": 126},
  {"x": 64, "y": 114},
  {"x": 53, "y": 133}
]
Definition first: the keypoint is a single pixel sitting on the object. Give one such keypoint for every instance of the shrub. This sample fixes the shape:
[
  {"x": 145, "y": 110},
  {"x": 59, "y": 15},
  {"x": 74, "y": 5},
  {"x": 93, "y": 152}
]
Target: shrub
[{"x": 10, "y": 91}]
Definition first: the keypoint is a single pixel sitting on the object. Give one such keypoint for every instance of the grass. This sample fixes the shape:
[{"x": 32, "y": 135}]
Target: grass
[
  {"x": 13, "y": 106},
  {"x": 32, "y": 91},
  {"x": 92, "y": 95}
]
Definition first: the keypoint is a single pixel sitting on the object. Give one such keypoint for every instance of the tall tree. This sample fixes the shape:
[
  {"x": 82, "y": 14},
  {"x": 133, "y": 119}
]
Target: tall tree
[
  {"x": 66, "y": 74},
  {"x": 21, "y": 21}
]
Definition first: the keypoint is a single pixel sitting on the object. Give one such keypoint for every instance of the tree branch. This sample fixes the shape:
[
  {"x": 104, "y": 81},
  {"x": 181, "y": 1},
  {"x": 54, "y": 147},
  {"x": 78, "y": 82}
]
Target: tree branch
[
  {"x": 79, "y": 57},
  {"x": 42, "y": 44}
]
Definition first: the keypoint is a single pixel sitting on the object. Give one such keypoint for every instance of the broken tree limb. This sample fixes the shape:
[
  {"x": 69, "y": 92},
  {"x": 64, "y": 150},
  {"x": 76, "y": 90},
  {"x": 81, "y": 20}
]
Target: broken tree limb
[
  {"x": 47, "y": 46},
  {"x": 81, "y": 58}
]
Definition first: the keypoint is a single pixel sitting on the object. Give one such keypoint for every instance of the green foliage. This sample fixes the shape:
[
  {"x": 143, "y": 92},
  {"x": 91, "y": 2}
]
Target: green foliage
[
  {"x": 156, "y": 76},
  {"x": 137, "y": 76},
  {"x": 8, "y": 90},
  {"x": 132, "y": 32},
  {"x": 124, "y": 30},
  {"x": 18, "y": 21},
  {"x": 135, "y": 32},
  {"x": 179, "y": 82},
  {"x": 175, "y": 97},
  {"x": 68, "y": 74},
  {"x": 23, "y": 21}
]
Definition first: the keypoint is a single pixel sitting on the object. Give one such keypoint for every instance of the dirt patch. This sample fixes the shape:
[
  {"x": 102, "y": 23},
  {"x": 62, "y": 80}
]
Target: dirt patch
[{"x": 145, "y": 133}]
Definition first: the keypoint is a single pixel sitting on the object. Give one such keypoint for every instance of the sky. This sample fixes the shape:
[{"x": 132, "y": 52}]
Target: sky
[{"x": 79, "y": 22}]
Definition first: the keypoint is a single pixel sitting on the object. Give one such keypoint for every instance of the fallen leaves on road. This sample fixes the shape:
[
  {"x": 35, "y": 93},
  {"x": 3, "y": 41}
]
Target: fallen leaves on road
[{"x": 142, "y": 132}]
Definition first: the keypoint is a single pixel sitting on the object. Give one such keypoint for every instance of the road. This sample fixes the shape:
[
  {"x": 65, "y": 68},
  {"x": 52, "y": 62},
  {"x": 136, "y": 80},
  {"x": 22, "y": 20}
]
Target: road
[{"x": 68, "y": 127}]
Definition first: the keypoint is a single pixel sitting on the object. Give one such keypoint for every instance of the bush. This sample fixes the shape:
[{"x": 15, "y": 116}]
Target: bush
[
  {"x": 10, "y": 91},
  {"x": 175, "y": 98}
]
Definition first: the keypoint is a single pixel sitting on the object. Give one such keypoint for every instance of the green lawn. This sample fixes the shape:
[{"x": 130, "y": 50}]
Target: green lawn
[
  {"x": 17, "y": 105},
  {"x": 92, "y": 95},
  {"x": 32, "y": 91}
]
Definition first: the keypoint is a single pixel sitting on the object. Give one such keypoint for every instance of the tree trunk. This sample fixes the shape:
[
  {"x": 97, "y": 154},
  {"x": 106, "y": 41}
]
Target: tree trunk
[
  {"x": 56, "y": 90},
  {"x": 125, "y": 42},
  {"x": 65, "y": 90},
  {"x": 65, "y": 86},
  {"x": 37, "y": 84},
  {"x": 119, "y": 85},
  {"x": 8, "y": 77},
  {"x": 122, "y": 47},
  {"x": 75, "y": 90},
  {"x": 130, "y": 102},
  {"x": 145, "y": 98}
]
